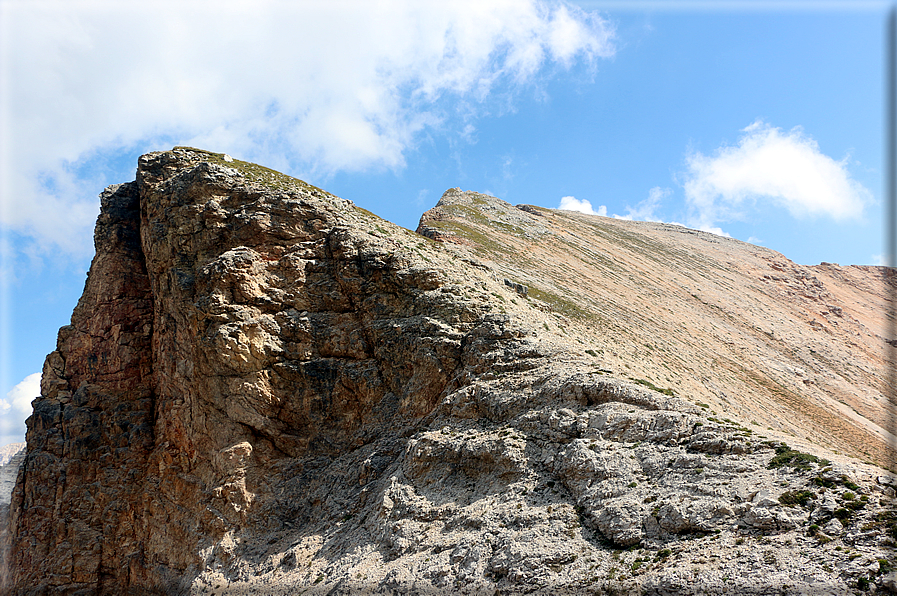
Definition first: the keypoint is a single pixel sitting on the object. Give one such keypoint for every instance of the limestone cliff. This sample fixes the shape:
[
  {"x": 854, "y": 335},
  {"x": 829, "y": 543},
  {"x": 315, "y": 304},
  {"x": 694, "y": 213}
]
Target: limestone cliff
[{"x": 268, "y": 390}]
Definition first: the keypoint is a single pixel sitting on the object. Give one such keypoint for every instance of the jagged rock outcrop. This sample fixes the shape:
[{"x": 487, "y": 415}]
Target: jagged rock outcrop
[{"x": 266, "y": 389}]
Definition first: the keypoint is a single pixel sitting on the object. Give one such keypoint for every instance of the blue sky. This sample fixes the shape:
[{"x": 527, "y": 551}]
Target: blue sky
[{"x": 759, "y": 120}]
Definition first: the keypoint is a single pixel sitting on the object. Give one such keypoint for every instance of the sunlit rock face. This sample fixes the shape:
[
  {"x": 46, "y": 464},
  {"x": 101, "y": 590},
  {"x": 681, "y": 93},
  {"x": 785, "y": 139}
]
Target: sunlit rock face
[{"x": 266, "y": 389}]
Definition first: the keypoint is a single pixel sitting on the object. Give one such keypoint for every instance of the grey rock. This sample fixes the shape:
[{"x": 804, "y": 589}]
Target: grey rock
[
  {"x": 889, "y": 582},
  {"x": 8, "y": 472},
  {"x": 834, "y": 527},
  {"x": 827, "y": 507}
]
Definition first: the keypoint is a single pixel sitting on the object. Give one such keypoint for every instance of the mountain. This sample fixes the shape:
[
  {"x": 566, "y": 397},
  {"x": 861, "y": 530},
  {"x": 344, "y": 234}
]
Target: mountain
[
  {"x": 739, "y": 327},
  {"x": 7, "y": 452},
  {"x": 266, "y": 389},
  {"x": 11, "y": 457}
]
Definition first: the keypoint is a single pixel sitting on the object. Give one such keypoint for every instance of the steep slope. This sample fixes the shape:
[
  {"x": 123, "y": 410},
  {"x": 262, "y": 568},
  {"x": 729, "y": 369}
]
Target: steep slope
[
  {"x": 740, "y": 327},
  {"x": 266, "y": 389}
]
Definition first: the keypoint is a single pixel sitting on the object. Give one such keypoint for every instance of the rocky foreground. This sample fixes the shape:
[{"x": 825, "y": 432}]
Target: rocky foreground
[{"x": 268, "y": 390}]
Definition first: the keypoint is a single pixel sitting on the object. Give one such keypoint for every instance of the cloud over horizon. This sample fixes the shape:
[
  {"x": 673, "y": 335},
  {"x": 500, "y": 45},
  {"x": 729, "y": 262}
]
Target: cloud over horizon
[
  {"x": 584, "y": 206},
  {"x": 314, "y": 87},
  {"x": 768, "y": 166},
  {"x": 645, "y": 210}
]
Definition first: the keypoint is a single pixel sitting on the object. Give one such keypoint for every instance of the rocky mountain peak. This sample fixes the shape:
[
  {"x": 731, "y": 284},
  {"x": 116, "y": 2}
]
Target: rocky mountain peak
[
  {"x": 458, "y": 213},
  {"x": 266, "y": 388}
]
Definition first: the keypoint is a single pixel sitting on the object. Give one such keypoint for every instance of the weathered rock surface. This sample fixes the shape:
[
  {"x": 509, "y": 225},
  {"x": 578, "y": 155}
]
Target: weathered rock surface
[
  {"x": 267, "y": 390},
  {"x": 801, "y": 350}
]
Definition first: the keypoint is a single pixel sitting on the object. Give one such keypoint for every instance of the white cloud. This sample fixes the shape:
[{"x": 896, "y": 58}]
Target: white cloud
[
  {"x": 16, "y": 408},
  {"x": 310, "y": 87},
  {"x": 584, "y": 206},
  {"x": 786, "y": 169},
  {"x": 715, "y": 230},
  {"x": 645, "y": 210}
]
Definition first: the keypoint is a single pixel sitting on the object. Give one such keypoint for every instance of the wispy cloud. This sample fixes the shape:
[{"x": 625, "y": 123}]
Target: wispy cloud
[
  {"x": 584, "y": 206},
  {"x": 507, "y": 167},
  {"x": 646, "y": 210},
  {"x": 714, "y": 230},
  {"x": 769, "y": 166},
  {"x": 313, "y": 88}
]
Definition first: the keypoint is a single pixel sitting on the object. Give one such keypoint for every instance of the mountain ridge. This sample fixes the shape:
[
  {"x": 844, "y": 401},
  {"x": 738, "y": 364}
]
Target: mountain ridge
[
  {"x": 265, "y": 387},
  {"x": 733, "y": 302}
]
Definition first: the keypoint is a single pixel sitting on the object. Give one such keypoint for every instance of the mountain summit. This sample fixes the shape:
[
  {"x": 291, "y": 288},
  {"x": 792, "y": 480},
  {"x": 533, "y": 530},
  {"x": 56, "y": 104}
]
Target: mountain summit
[{"x": 266, "y": 389}]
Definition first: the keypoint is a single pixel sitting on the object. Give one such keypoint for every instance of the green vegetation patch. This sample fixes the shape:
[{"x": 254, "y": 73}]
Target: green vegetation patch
[
  {"x": 255, "y": 173},
  {"x": 847, "y": 483},
  {"x": 475, "y": 215},
  {"x": 843, "y": 514},
  {"x": 561, "y": 305},
  {"x": 364, "y": 211},
  {"x": 654, "y": 387},
  {"x": 829, "y": 482},
  {"x": 786, "y": 456},
  {"x": 480, "y": 241},
  {"x": 794, "y": 498},
  {"x": 824, "y": 482},
  {"x": 467, "y": 212}
]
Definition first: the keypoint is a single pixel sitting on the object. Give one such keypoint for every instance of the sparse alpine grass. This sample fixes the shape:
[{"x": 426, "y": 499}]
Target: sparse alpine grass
[{"x": 786, "y": 456}]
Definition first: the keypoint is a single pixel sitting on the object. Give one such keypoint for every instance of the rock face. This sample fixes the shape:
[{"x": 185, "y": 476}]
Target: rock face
[{"x": 267, "y": 390}]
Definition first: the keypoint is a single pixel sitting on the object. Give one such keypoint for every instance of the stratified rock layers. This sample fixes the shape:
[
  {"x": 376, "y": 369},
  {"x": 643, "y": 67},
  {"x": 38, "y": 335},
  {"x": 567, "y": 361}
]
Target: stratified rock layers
[
  {"x": 800, "y": 349},
  {"x": 266, "y": 389}
]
